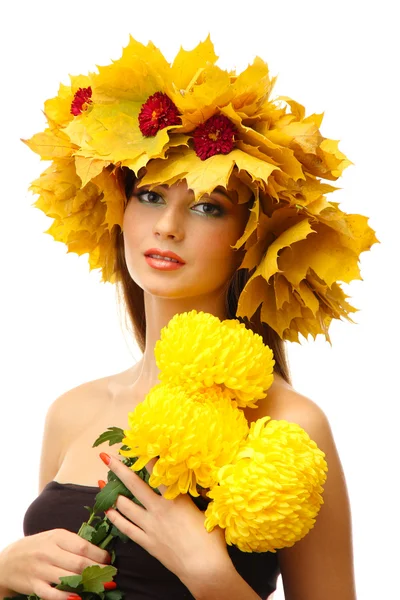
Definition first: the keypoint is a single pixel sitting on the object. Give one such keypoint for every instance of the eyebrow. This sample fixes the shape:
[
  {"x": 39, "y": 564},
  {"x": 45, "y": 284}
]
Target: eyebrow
[
  {"x": 223, "y": 192},
  {"x": 217, "y": 191}
]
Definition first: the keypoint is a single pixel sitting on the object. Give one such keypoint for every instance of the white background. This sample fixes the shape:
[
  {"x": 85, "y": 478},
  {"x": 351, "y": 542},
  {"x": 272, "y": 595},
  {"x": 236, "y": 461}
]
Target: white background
[{"x": 59, "y": 324}]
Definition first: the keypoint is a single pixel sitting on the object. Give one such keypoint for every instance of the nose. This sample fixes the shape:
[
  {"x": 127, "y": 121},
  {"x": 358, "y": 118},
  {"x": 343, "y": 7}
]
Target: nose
[{"x": 169, "y": 224}]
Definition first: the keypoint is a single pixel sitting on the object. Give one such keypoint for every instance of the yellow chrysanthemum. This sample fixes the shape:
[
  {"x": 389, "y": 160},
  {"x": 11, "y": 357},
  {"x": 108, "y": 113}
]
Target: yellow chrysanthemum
[
  {"x": 193, "y": 435},
  {"x": 196, "y": 349},
  {"x": 270, "y": 495}
]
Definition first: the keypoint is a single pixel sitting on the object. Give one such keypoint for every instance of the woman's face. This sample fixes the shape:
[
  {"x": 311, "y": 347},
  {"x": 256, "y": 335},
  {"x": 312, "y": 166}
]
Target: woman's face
[{"x": 201, "y": 234}]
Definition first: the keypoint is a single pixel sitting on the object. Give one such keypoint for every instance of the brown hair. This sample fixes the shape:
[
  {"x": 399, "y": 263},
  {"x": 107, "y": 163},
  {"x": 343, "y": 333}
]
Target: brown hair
[{"x": 131, "y": 297}]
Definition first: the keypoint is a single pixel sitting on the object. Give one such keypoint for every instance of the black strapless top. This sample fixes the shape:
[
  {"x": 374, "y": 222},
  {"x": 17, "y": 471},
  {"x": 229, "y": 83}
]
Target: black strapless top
[{"x": 140, "y": 575}]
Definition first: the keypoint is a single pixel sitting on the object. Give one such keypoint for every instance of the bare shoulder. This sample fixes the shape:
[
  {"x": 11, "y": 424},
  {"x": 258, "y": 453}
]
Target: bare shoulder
[
  {"x": 293, "y": 406},
  {"x": 321, "y": 564},
  {"x": 284, "y": 402},
  {"x": 68, "y": 416},
  {"x": 80, "y": 399},
  {"x": 60, "y": 426}
]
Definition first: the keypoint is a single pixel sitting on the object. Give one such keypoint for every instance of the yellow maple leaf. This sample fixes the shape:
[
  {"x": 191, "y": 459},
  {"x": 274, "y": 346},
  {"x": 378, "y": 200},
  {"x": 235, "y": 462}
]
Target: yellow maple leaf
[
  {"x": 58, "y": 109},
  {"x": 57, "y": 187},
  {"x": 137, "y": 74},
  {"x": 104, "y": 256},
  {"x": 325, "y": 254},
  {"x": 204, "y": 176},
  {"x": 298, "y": 109},
  {"x": 251, "y": 224},
  {"x": 113, "y": 197},
  {"x": 50, "y": 144},
  {"x": 88, "y": 168},
  {"x": 269, "y": 264},
  {"x": 278, "y": 161},
  {"x": 188, "y": 62}
]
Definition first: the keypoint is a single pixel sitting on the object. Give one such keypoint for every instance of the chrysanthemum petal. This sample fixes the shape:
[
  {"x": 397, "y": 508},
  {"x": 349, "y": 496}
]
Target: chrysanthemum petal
[
  {"x": 276, "y": 484},
  {"x": 192, "y": 434},
  {"x": 196, "y": 349}
]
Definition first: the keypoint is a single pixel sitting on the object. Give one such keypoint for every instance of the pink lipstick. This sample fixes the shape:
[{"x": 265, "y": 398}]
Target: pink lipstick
[{"x": 164, "y": 260}]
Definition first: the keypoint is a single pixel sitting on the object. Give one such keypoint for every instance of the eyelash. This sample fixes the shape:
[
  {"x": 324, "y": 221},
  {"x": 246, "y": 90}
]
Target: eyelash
[{"x": 220, "y": 213}]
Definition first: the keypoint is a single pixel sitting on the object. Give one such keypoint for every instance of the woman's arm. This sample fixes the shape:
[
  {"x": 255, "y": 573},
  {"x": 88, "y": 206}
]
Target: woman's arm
[
  {"x": 224, "y": 583},
  {"x": 321, "y": 564},
  {"x": 5, "y": 592}
]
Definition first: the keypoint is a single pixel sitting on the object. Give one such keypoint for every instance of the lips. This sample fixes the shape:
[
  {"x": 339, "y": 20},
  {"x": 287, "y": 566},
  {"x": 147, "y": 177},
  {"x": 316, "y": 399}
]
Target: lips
[{"x": 166, "y": 253}]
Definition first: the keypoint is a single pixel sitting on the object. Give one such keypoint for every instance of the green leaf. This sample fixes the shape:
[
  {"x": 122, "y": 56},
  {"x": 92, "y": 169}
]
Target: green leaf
[
  {"x": 117, "y": 533},
  {"x": 96, "y": 519},
  {"x": 86, "y": 532},
  {"x": 100, "y": 533},
  {"x": 113, "y": 435},
  {"x": 114, "y": 595},
  {"x": 91, "y": 580},
  {"x": 70, "y": 583},
  {"x": 108, "y": 495},
  {"x": 94, "y": 577}
]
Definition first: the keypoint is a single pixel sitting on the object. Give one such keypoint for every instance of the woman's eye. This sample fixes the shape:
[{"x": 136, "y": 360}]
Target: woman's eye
[
  {"x": 151, "y": 196},
  {"x": 215, "y": 211},
  {"x": 212, "y": 210}
]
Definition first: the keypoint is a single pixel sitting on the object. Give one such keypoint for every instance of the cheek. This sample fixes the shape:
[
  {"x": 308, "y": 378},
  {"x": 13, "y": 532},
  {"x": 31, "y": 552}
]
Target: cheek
[
  {"x": 217, "y": 251},
  {"x": 133, "y": 231},
  {"x": 136, "y": 221}
]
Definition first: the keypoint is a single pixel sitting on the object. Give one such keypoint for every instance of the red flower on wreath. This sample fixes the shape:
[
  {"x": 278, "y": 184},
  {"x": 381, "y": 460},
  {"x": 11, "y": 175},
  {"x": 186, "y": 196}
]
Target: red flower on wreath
[
  {"x": 82, "y": 98},
  {"x": 214, "y": 136},
  {"x": 156, "y": 113}
]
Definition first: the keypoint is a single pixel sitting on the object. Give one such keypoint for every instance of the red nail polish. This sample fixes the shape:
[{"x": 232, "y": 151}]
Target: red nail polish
[
  {"x": 101, "y": 484},
  {"x": 110, "y": 585},
  {"x": 74, "y": 597},
  {"x": 105, "y": 458}
]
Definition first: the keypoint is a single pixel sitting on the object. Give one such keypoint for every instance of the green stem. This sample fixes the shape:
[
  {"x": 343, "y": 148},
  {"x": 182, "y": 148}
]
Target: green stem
[
  {"x": 106, "y": 541},
  {"x": 92, "y": 516},
  {"x": 86, "y": 523}
]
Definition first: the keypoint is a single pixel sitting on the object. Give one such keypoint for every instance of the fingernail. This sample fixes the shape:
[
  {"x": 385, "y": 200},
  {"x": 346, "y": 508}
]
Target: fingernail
[
  {"x": 101, "y": 483},
  {"x": 110, "y": 585},
  {"x": 108, "y": 559},
  {"x": 74, "y": 597},
  {"x": 105, "y": 458}
]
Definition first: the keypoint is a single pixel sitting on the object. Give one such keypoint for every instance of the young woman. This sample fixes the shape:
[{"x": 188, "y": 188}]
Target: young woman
[{"x": 172, "y": 251}]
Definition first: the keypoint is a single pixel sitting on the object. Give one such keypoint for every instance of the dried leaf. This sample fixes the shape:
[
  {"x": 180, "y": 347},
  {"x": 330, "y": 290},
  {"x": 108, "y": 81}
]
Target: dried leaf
[{"x": 52, "y": 143}]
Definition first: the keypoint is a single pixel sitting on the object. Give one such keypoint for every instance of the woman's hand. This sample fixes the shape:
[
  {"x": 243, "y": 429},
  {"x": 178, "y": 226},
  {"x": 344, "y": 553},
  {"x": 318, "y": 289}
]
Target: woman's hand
[
  {"x": 29, "y": 565},
  {"x": 170, "y": 530}
]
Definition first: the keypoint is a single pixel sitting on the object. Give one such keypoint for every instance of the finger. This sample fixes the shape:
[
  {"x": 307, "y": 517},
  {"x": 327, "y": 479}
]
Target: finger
[
  {"x": 72, "y": 561},
  {"x": 73, "y": 543},
  {"x": 137, "y": 514},
  {"x": 128, "y": 528},
  {"x": 46, "y": 592},
  {"x": 53, "y": 574},
  {"x": 139, "y": 488},
  {"x": 150, "y": 467}
]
